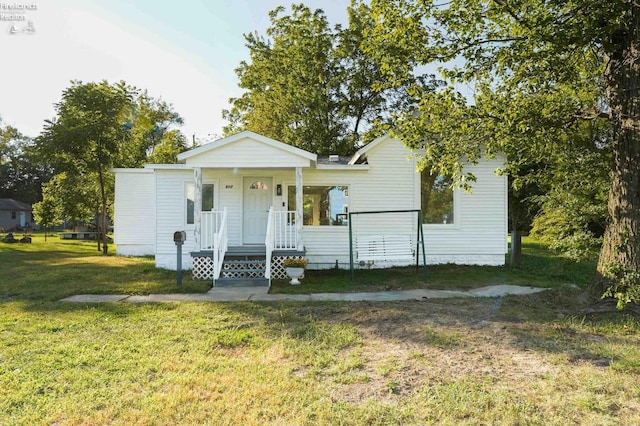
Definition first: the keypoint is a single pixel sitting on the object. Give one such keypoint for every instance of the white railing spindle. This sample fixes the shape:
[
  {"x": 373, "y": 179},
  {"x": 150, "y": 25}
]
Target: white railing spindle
[{"x": 286, "y": 233}]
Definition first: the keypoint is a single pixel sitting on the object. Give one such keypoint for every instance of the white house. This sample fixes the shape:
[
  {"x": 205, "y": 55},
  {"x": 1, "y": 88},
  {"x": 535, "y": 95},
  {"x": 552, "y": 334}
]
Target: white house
[{"x": 247, "y": 202}]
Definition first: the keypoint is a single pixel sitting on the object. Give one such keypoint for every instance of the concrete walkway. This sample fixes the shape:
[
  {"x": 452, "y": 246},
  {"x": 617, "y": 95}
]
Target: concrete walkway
[{"x": 254, "y": 294}]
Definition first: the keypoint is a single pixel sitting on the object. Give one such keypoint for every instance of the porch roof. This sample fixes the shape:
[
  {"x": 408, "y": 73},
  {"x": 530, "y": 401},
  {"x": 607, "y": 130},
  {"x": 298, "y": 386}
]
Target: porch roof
[{"x": 247, "y": 149}]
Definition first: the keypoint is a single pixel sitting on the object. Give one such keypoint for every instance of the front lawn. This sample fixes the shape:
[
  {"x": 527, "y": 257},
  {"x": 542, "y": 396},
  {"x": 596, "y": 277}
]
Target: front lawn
[
  {"x": 539, "y": 268},
  {"x": 511, "y": 360},
  {"x": 59, "y": 268}
]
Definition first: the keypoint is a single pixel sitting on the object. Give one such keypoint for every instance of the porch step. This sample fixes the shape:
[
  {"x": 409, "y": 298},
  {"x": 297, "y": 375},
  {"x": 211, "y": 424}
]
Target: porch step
[
  {"x": 242, "y": 282},
  {"x": 257, "y": 250},
  {"x": 243, "y": 266}
]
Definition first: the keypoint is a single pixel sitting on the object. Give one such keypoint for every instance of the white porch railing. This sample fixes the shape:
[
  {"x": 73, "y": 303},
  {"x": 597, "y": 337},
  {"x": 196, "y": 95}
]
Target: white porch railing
[
  {"x": 281, "y": 234},
  {"x": 220, "y": 241},
  {"x": 268, "y": 243},
  {"x": 210, "y": 223},
  {"x": 285, "y": 231}
]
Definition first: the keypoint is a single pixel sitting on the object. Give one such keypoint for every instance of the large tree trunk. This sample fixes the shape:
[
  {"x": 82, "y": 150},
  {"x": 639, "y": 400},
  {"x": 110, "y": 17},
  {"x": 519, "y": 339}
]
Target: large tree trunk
[{"x": 621, "y": 244}]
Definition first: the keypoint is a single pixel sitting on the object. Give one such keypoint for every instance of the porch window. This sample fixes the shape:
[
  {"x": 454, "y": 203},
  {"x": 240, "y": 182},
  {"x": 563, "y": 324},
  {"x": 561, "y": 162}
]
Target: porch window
[
  {"x": 207, "y": 199},
  {"x": 322, "y": 205},
  {"x": 437, "y": 198}
]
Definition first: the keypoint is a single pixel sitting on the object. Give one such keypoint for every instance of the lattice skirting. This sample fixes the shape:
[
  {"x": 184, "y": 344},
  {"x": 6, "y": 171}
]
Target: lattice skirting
[
  {"x": 277, "y": 270},
  {"x": 202, "y": 268}
]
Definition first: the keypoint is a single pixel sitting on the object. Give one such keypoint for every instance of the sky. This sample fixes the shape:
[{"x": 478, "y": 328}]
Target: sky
[{"x": 183, "y": 52}]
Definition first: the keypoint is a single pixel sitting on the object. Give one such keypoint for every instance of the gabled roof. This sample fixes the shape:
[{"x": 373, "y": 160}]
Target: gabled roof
[
  {"x": 361, "y": 153},
  {"x": 11, "y": 204},
  {"x": 246, "y": 135}
]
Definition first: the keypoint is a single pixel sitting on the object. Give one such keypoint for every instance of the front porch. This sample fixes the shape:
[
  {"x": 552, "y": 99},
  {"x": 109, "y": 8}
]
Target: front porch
[
  {"x": 246, "y": 192},
  {"x": 246, "y": 265}
]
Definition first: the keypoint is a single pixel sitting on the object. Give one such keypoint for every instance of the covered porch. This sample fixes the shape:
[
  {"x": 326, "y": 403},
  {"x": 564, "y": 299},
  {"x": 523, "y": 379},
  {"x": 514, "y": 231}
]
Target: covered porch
[{"x": 238, "y": 207}]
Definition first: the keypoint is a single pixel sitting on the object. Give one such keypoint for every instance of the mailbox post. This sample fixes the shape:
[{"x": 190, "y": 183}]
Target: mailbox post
[{"x": 179, "y": 237}]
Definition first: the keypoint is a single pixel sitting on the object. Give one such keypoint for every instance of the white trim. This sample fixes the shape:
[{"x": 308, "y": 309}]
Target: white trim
[
  {"x": 368, "y": 147},
  {"x": 166, "y": 166},
  {"x": 354, "y": 167},
  {"x": 250, "y": 135},
  {"x": 123, "y": 170},
  {"x": 216, "y": 202}
]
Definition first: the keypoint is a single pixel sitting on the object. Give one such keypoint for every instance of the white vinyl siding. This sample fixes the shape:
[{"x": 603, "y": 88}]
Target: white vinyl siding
[
  {"x": 135, "y": 212},
  {"x": 171, "y": 216},
  {"x": 478, "y": 235},
  {"x": 247, "y": 153},
  {"x": 389, "y": 181}
]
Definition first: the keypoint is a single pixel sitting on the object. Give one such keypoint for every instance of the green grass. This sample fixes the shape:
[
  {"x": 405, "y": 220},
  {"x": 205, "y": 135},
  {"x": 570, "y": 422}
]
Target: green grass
[
  {"x": 539, "y": 268},
  {"x": 514, "y": 360},
  {"x": 54, "y": 269}
]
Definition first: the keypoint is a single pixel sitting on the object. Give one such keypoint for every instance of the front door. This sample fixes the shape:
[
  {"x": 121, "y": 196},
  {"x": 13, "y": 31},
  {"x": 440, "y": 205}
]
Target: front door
[{"x": 257, "y": 199}]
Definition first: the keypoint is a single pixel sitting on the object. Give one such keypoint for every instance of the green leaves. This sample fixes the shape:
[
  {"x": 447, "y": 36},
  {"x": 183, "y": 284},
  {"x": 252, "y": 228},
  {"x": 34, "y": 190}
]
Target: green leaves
[
  {"x": 313, "y": 86},
  {"x": 99, "y": 126}
]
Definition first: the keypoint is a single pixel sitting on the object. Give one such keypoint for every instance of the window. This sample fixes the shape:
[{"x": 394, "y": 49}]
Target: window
[
  {"x": 322, "y": 205},
  {"x": 437, "y": 198},
  {"x": 207, "y": 199},
  {"x": 258, "y": 185},
  {"x": 13, "y": 215}
]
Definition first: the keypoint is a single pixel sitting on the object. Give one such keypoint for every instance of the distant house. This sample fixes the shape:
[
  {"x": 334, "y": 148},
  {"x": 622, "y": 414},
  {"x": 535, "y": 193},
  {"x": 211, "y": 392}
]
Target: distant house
[
  {"x": 247, "y": 202},
  {"x": 14, "y": 214}
]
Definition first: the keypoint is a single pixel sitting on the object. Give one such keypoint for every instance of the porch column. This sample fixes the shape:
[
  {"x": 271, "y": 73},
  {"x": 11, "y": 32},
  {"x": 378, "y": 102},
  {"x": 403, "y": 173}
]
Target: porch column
[
  {"x": 299, "y": 207},
  {"x": 197, "y": 206}
]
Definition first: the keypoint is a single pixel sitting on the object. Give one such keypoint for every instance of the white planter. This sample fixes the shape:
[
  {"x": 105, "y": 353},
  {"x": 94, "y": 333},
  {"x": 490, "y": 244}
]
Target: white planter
[{"x": 294, "y": 274}]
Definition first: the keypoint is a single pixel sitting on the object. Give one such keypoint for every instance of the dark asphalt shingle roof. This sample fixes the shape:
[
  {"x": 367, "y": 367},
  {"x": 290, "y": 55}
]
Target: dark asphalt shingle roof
[
  {"x": 341, "y": 160},
  {"x": 11, "y": 204}
]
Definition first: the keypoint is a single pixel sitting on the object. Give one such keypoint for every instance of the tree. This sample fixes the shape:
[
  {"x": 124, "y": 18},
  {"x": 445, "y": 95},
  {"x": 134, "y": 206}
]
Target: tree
[
  {"x": 22, "y": 172},
  {"x": 99, "y": 126},
  {"x": 152, "y": 138},
  {"x": 88, "y": 133},
  {"x": 47, "y": 213},
  {"x": 75, "y": 196},
  {"x": 312, "y": 86},
  {"x": 539, "y": 69}
]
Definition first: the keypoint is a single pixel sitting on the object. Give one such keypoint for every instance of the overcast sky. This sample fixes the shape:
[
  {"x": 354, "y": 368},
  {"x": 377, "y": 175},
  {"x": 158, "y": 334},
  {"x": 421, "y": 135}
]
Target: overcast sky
[{"x": 182, "y": 51}]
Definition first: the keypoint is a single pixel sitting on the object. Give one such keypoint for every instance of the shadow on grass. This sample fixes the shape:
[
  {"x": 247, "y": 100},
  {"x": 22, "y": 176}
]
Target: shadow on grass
[
  {"x": 537, "y": 270},
  {"x": 52, "y": 271}
]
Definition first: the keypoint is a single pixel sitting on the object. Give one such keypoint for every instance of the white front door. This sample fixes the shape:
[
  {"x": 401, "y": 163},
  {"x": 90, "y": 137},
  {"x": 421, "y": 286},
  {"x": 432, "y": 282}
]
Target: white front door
[{"x": 257, "y": 199}]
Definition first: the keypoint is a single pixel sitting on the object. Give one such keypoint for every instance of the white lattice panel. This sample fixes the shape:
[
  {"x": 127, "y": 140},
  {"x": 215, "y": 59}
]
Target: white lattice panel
[
  {"x": 202, "y": 268},
  {"x": 277, "y": 270}
]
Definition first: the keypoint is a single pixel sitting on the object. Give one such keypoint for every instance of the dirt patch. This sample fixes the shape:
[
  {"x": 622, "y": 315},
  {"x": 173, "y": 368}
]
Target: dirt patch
[{"x": 409, "y": 347}]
